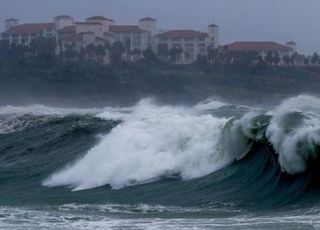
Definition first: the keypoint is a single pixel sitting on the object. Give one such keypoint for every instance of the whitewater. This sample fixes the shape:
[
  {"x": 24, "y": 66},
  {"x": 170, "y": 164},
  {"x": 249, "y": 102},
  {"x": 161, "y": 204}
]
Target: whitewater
[{"x": 151, "y": 165}]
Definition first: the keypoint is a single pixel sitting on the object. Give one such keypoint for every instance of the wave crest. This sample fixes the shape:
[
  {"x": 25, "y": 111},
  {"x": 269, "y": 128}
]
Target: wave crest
[{"x": 155, "y": 141}]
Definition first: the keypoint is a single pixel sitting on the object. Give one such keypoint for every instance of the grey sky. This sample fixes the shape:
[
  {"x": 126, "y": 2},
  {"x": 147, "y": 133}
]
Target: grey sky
[{"x": 278, "y": 20}]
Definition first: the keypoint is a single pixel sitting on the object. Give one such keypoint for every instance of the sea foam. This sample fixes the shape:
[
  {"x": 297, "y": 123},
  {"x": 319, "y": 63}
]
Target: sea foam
[{"x": 152, "y": 142}]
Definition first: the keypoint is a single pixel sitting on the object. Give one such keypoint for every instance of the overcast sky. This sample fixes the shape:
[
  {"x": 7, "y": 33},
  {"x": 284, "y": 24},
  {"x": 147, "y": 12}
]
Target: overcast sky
[{"x": 263, "y": 20}]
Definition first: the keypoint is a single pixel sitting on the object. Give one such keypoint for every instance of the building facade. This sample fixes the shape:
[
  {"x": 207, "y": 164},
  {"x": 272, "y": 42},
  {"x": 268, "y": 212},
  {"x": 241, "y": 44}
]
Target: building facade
[
  {"x": 97, "y": 29},
  {"x": 263, "y": 48},
  {"x": 190, "y": 44},
  {"x": 24, "y": 34}
]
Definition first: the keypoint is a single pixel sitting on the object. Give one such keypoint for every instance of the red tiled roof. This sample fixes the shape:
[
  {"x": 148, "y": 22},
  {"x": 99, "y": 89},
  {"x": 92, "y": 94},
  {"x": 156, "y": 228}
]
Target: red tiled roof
[
  {"x": 68, "y": 29},
  {"x": 182, "y": 34},
  {"x": 73, "y": 38},
  {"x": 125, "y": 28},
  {"x": 88, "y": 23},
  {"x": 12, "y": 19},
  {"x": 291, "y": 43},
  {"x": 99, "y": 18},
  {"x": 258, "y": 46},
  {"x": 76, "y": 37},
  {"x": 63, "y": 16},
  {"x": 89, "y": 32},
  {"x": 147, "y": 19},
  {"x": 30, "y": 28}
]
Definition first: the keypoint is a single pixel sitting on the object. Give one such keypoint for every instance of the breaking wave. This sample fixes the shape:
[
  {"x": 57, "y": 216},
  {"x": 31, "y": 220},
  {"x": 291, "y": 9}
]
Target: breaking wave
[
  {"x": 213, "y": 156},
  {"x": 155, "y": 141}
]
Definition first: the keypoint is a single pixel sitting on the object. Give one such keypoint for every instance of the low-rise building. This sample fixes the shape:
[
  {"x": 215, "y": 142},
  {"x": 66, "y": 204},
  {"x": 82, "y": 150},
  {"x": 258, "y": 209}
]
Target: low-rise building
[
  {"x": 263, "y": 48},
  {"x": 191, "y": 43},
  {"x": 63, "y": 21},
  {"x": 106, "y": 22},
  {"x": 98, "y": 29},
  {"x": 25, "y": 33}
]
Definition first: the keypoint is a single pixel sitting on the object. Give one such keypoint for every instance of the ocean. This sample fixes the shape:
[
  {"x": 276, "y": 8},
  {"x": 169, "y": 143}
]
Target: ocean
[{"x": 213, "y": 165}]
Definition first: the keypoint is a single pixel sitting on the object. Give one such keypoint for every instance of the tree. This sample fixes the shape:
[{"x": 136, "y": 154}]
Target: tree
[
  {"x": 117, "y": 49},
  {"x": 306, "y": 61},
  {"x": 163, "y": 51},
  {"x": 188, "y": 57},
  {"x": 100, "y": 52},
  {"x": 174, "y": 53},
  {"x": 70, "y": 52},
  {"x": 107, "y": 47},
  {"x": 315, "y": 60},
  {"x": 149, "y": 55},
  {"x": 136, "y": 54},
  {"x": 90, "y": 51},
  {"x": 287, "y": 60},
  {"x": 4, "y": 48},
  {"x": 269, "y": 58},
  {"x": 276, "y": 58},
  {"x": 43, "y": 47},
  {"x": 212, "y": 55}
]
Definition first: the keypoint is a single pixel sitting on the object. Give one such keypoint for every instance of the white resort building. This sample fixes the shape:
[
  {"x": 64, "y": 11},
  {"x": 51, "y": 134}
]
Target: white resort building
[
  {"x": 16, "y": 33},
  {"x": 191, "y": 43},
  {"x": 99, "y": 30},
  {"x": 263, "y": 48}
]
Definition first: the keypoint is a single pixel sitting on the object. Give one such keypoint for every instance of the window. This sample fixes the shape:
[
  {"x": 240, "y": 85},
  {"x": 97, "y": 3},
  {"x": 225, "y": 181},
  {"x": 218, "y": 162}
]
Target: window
[
  {"x": 188, "y": 39},
  {"x": 136, "y": 41},
  {"x": 189, "y": 45},
  {"x": 176, "y": 45},
  {"x": 176, "y": 39},
  {"x": 163, "y": 40}
]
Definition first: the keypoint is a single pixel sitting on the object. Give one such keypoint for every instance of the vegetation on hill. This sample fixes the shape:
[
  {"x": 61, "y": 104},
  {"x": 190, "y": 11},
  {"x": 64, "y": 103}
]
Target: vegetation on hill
[{"x": 36, "y": 75}]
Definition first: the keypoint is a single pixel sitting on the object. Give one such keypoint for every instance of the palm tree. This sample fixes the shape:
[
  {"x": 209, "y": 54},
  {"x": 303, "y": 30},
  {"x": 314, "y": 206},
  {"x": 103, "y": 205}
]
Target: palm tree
[
  {"x": 315, "y": 59},
  {"x": 287, "y": 60},
  {"x": 174, "y": 53},
  {"x": 43, "y": 47},
  {"x": 117, "y": 49},
  {"x": 269, "y": 58},
  {"x": 149, "y": 55},
  {"x": 163, "y": 51},
  {"x": 212, "y": 55},
  {"x": 70, "y": 53},
  {"x": 276, "y": 58},
  {"x": 107, "y": 47},
  {"x": 136, "y": 53},
  {"x": 188, "y": 57},
  {"x": 100, "y": 53},
  {"x": 90, "y": 51}
]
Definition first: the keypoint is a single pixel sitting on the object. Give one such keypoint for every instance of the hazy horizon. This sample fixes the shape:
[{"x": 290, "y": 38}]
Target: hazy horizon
[{"x": 247, "y": 20}]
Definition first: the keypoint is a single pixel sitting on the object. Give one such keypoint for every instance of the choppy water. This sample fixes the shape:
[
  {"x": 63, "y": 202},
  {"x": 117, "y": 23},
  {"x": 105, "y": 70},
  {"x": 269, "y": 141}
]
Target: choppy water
[{"x": 154, "y": 166}]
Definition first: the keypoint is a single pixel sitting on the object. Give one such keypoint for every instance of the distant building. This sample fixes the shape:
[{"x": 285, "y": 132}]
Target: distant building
[
  {"x": 99, "y": 29},
  {"x": 63, "y": 21},
  {"x": 106, "y": 22},
  {"x": 26, "y": 33},
  {"x": 292, "y": 45},
  {"x": 263, "y": 48},
  {"x": 192, "y": 43},
  {"x": 131, "y": 36}
]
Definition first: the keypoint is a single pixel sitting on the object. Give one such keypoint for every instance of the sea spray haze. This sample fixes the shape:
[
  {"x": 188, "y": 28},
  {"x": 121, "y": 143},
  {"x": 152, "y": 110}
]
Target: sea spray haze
[{"x": 212, "y": 165}]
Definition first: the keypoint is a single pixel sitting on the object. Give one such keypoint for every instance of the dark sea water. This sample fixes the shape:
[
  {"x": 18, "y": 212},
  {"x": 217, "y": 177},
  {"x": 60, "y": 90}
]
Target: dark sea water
[{"x": 151, "y": 166}]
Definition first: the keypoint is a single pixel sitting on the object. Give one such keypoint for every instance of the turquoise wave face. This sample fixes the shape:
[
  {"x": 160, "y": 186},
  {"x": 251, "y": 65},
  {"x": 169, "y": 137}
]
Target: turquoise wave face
[{"x": 211, "y": 156}]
